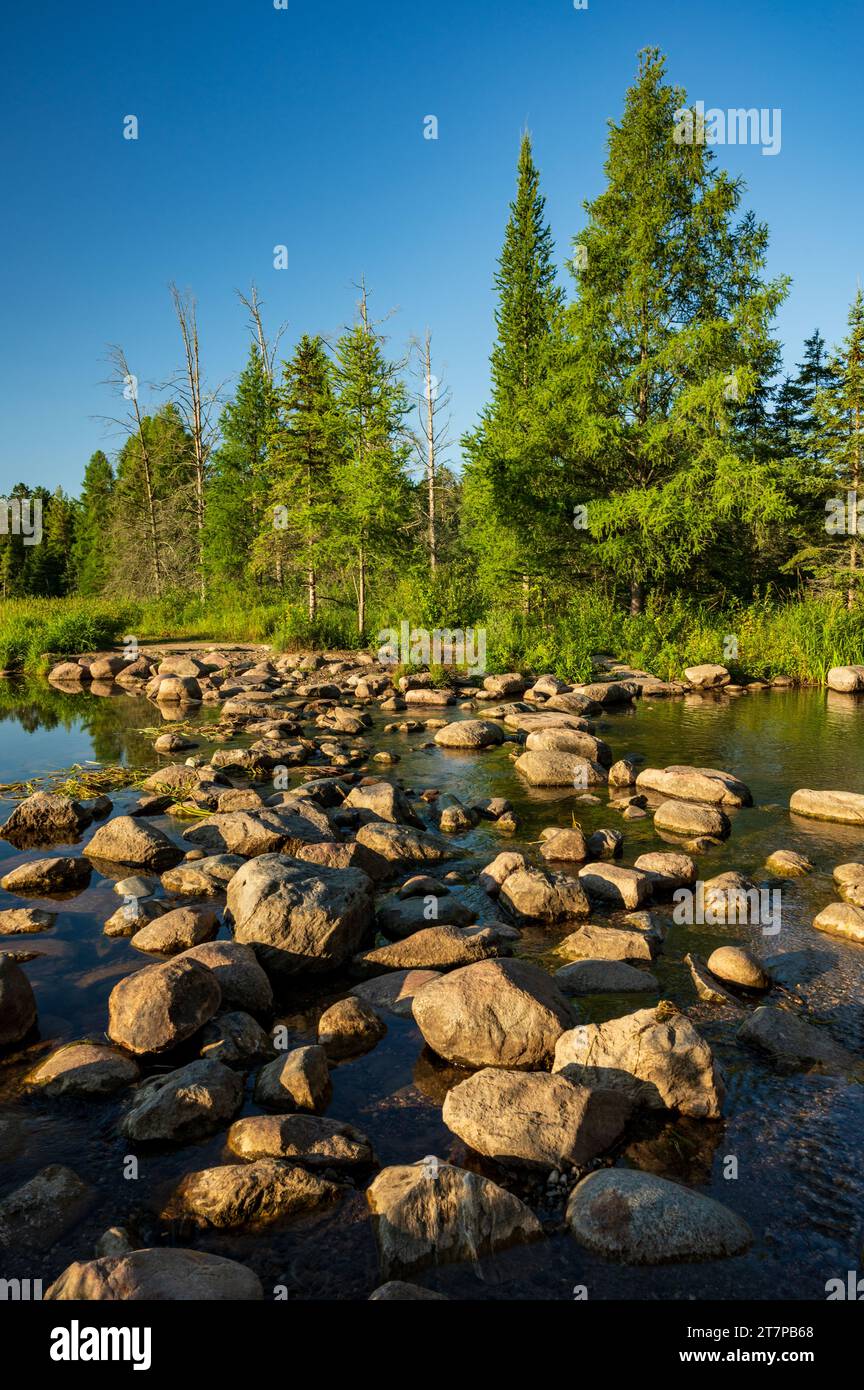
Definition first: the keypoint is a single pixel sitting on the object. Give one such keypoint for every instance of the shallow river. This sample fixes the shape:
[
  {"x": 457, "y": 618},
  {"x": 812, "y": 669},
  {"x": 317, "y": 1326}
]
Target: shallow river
[{"x": 797, "y": 1140}]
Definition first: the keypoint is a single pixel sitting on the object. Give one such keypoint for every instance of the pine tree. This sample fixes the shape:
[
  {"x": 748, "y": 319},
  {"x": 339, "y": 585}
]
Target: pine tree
[
  {"x": 90, "y": 556},
  {"x": 239, "y": 480},
  {"x": 669, "y": 339},
  {"x": 306, "y": 451},
  {"x": 506, "y": 480},
  {"x": 374, "y": 491},
  {"x": 839, "y": 409}
]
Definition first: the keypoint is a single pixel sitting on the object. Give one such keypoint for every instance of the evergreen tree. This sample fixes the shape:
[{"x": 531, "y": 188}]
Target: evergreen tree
[
  {"x": 374, "y": 491},
  {"x": 307, "y": 448},
  {"x": 839, "y": 410},
  {"x": 669, "y": 339},
  {"x": 506, "y": 481},
  {"x": 239, "y": 480},
  {"x": 90, "y": 552}
]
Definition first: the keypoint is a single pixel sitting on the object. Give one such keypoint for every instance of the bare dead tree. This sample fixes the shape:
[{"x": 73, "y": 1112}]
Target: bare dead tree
[
  {"x": 268, "y": 351},
  {"x": 197, "y": 407},
  {"x": 432, "y": 440}
]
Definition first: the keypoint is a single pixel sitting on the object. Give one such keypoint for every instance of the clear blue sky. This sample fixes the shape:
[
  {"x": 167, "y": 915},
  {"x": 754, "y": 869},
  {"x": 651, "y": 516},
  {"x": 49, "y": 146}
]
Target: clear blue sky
[{"x": 304, "y": 126}]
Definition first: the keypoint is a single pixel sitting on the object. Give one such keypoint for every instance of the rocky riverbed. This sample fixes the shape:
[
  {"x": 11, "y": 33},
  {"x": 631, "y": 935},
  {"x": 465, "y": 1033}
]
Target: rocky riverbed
[{"x": 510, "y": 989}]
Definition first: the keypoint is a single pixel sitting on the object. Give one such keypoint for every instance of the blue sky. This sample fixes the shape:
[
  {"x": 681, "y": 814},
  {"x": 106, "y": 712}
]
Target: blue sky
[{"x": 304, "y": 127}]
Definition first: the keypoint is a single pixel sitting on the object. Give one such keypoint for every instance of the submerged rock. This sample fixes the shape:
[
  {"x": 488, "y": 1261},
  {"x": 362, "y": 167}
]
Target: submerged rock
[
  {"x": 637, "y": 1217},
  {"x": 17, "y": 1002},
  {"x": 25, "y": 921},
  {"x": 793, "y": 1044},
  {"x": 432, "y": 1213},
  {"x": 36, "y": 1215}
]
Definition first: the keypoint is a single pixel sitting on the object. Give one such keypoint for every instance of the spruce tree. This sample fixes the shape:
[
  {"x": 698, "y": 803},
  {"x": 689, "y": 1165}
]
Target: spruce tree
[
  {"x": 670, "y": 337},
  {"x": 506, "y": 480},
  {"x": 90, "y": 553},
  {"x": 239, "y": 481},
  {"x": 839, "y": 409},
  {"x": 374, "y": 491}
]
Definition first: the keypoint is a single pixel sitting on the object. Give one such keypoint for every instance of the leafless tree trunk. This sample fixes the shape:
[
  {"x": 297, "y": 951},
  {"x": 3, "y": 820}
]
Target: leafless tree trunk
[
  {"x": 195, "y": 408},
  {"x": 432, "y": 440},
  {"x": 268, "y": 351}
]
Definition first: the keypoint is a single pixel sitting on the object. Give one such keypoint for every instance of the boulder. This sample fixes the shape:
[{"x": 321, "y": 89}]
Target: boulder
[
  {"x": 25, "y": 921},
  {"x": 655, "y": 1056},
  {"x": 607, "y": 944},
  {"x": 707, "y": 676},
  {"x": 348, "y": 1028},
  {"x": 497, "y": 1013},
  {"x": 312, "y": 1140},
  {"x": 570, "y": 741},
  {"x": 610, "y": 883},
  {"x": 735, "y": 965},
  {"x": 431, "y": 948},
  {"x": 792, "y": 1044},
  {"x": 268, "y": 831},
  {"x": 690, "y": 819},
  {"x": 248, "y": 1196},
  {"x": 531, "y": 1118},
  {"x": 234, "y": 1038},
  {"x": 470, "y": 733},
  {"x": 155, "y": 1009},
  {"x": 243, "y": 983},
  {"x": 431, "y": 1213},
  {"x": 299, "y": 917},
  {"x": 842, "y": 919},
  {"x": 685, "y": 783},
  {"x": 636, "y": 1217},
  {"x": 45, "y": 819},
  {"x": 788, "y": 863},
  {"x": 202, "y": 878},
  {"x": 83, "y": 1069},
  {"x": 17, "y": 1003},
  {"x": 492, "y": 877},
  {"x": 177, "y": 931},
  {"x": 397, "y": 843},
  {"x": 164, "y": 1275},
  {"x": 560, "y": 769},
  {"x": 398, "y": 1291},
  {"x": 565, "y": 846},
  {"x": 847, "y": 808},
  {"x": 183, "y": 1105},
  {"x": 502, "y": 686},
  {"x": 667, "y": 871},
  {"x": 384, "y": 800},
  {"x": 394, "y": 992},
  {"x": 532, "y": 895},
  {"x": 604, "y": 977},
  {"x": 298, "y": 1081},
  {"x": 849, "y": 679},
  {"x": 48, "y": 877},
  {"x": 129, "y": 840},
  {"x": 400, "y": 917}
]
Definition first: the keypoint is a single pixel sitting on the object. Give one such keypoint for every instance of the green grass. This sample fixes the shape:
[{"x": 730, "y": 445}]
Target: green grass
[{"x": 801, "y": 638}]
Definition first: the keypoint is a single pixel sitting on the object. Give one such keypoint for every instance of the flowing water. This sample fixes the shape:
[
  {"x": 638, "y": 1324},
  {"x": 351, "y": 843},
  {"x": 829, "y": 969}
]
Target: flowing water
[{"x": 797, "y": 1140}]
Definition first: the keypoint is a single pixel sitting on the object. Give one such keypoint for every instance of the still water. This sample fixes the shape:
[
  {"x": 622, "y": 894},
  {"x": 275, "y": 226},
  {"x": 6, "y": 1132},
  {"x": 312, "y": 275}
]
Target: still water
[{"x": 797, "y": 1140}]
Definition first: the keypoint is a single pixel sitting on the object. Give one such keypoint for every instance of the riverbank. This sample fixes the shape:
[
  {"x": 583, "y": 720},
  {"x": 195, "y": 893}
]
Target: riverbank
[{"x": 800, "y": 641}]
